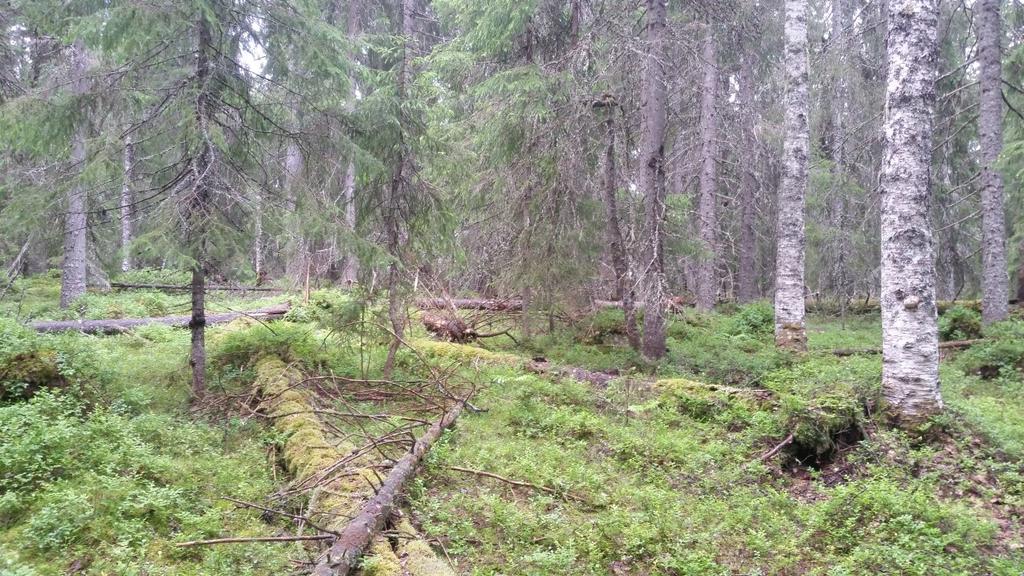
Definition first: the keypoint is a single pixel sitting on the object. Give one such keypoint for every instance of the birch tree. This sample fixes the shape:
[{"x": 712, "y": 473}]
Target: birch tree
[
  {"x": 994, "y": 282},
  {"x": 789, "y": 261},
  {"x": 910, "y": 353}
]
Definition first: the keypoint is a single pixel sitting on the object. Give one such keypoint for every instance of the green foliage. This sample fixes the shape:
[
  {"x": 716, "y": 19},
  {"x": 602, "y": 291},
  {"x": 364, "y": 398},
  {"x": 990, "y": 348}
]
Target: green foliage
[
  {"x": 960, "y": 323},
  {"x": 879, "y": 525},
  {"x": 1001, "y": 354},
  {"x": 755, "y": 319},
  {"x": 824, "y": 398},
  {"x": 724, "y": 349}
]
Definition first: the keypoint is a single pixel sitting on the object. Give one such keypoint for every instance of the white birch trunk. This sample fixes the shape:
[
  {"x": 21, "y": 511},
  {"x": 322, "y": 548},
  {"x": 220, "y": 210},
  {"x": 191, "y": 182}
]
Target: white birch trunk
[
  {"x": 789, "y": 260},
  {"x": 910, "y": 351}
]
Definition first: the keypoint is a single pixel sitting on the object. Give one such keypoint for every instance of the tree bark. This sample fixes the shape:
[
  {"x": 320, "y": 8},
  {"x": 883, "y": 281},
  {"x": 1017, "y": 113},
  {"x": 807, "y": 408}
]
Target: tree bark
[
  {"x": 128, "y": 204},
  {"x": 73, "y": 269},
  {"x": 398, "y": 189},
  {"x": 202, "y": 164},
  {"x": 747, "y": 290},
  {"x": 613, "y": 235},
  {"x": 350, "y": 265},
  {"x": 994, "y": 281},
  {"x": 789, "y": 262},
  {"x": 651, "y": 157},
  {"x": 840, "y": 96},
  {"x": 910, "y": 350},
  {"x": 707, "y": 209}
]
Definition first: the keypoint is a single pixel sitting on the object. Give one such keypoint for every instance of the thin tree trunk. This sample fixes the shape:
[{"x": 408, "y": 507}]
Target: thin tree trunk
[
  {"x": 294, "y": 164},
  {"x": 613, "y": 234},
  {"x": 198, "y": 207},
  {"x": 1020, "y": 273},
  {"x": 73, "y": 269},
  {"x": 350, "y": 266},
  {"x": 707, "y": 210},
  {"x": 651, "y": 157},
  {"x": 197, "y": 325},
  {"x": 748, "y": 243},
  {"x": 994, "y": 281},
  {"x": 399, "y": 185},
  {"x": 910, "y": 342},
  {"x": 128, "y": 204},
  {"x": 840, "y": 96},
  {"x": 789, "y": 261}
]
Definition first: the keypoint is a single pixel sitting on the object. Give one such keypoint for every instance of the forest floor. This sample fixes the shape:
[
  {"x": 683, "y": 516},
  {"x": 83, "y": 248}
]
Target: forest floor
[{"x": 682, "y": 469}]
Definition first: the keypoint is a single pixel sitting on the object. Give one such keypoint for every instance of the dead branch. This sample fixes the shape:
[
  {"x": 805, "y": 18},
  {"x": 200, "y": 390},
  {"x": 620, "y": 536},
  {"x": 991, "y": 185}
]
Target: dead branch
[
  {"x": 254, "y": 539},
  {"x": 346, "y": 551}
]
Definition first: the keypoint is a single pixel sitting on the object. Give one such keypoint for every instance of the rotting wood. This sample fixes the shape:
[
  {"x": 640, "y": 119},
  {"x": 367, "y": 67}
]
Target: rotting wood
[
  {"x": 455, "y": 329},
  {"x": 343, "y": 475},
  {"x": 184, "y": 288},
  {"x": 126, "y": 324},
  {"x": 493, "y": 305},
  {"x": 345, "y": 553}
]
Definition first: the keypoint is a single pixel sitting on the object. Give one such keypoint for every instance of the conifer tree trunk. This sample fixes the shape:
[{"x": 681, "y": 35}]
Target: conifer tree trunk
[
  {"x": 350, "y": 264},
  {"x": 73, "y": 268},
  {"x": 910, "y": 351},
  {"x": 127, "y": 204},
  {"x": 789, "y": 261},
  {"x": 197, "y": 208},
  {"x": 994, "y": 280},
  {"x": 707, "y": 209},
  {"x": 837, "y": 207},
  {"x": 613, "y": 234},
  {"x": 393, "y": 208},
  {"x": 747, "y": 290},
  {"x": 651, "y": 157}
]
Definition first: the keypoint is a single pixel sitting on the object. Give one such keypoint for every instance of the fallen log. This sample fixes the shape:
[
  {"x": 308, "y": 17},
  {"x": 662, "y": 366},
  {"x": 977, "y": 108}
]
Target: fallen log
[
  {"x": 599, "y": 379},
  {"x": 343, "y": 556},
  {"x": 313, "y": 455},
  {"x": 492, "y": 305},
  {"x": 950, "y": 345},
  {"x": 126, "y": 324},
  {"x": 176, "y": 288}
]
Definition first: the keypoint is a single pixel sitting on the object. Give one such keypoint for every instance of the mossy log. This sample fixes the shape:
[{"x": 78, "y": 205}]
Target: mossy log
[
  {"x": 344, "y": 555},
  {"x": 126, "y": 324},
  {"x": 308, "y": 453},
  {"x": 23, "y": 375}
]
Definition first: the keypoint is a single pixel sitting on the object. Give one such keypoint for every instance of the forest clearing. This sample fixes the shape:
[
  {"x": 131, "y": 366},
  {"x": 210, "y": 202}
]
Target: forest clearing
[{"x": 546, "y": 287}]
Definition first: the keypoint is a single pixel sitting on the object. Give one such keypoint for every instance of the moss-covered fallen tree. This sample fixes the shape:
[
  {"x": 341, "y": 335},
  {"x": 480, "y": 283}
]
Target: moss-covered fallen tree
[{"x": 310, "y": 456}]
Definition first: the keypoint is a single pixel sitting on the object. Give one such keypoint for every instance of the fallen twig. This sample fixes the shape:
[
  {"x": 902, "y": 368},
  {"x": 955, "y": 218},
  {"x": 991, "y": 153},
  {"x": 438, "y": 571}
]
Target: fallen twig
[{"x": 253, "y": 539}]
